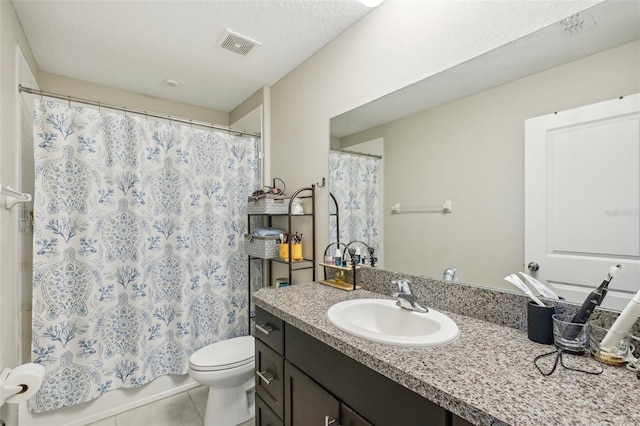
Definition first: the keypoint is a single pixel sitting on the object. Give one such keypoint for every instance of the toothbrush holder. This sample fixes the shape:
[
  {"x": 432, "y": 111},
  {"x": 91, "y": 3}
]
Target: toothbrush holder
[{"x": 540, "y": 323}]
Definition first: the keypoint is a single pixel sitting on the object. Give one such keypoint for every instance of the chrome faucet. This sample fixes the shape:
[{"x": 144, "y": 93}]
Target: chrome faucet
[
  {"x": 406, "y": 299},
  {"x": 449, "y": 274}
]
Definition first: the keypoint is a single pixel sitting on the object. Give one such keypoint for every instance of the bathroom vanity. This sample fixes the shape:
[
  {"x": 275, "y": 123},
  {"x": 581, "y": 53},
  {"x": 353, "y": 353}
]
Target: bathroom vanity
[
  {"x": 315, "y": 383},
  {"x": 321, "y": 375}
]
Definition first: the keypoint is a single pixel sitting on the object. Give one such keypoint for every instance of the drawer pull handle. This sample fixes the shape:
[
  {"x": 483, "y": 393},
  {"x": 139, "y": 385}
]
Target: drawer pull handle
[
  {"x": 262, "y": 375},
  {"x": 265, "y": 328},
  {"x": 328, "y": 422}
]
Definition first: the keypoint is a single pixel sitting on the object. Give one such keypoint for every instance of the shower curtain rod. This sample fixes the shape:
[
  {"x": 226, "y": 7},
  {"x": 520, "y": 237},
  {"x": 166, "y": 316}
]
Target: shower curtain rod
[
  {"x": 363, "y": 154},
  {"x": 135, "y": 111}
]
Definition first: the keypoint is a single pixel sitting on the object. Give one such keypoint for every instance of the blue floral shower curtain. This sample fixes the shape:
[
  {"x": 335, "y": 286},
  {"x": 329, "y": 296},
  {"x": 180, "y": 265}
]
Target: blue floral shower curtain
[
  {"x": 138, "y": 257},
  {"x": 353, "y": 180}
]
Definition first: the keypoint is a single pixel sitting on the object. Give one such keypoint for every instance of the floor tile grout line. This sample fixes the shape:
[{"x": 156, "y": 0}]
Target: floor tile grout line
[{"x": 195, "y": 407}]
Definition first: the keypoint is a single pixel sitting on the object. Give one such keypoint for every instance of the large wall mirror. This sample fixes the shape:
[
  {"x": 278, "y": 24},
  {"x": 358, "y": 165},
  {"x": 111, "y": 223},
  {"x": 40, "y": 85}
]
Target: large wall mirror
[{"x": 459, "y": 136}]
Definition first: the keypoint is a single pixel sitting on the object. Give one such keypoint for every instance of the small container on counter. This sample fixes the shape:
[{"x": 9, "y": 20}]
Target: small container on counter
[{"x": 540, "y": 323}]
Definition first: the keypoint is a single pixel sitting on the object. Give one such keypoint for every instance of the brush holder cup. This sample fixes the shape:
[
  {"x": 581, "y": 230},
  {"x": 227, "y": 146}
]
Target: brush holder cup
[
  {"x": 617, "y": 346},
  {"x": 296, "y": 251},
  {"x": 540, "y": 323},
  {"x": 570, "y": 337}
]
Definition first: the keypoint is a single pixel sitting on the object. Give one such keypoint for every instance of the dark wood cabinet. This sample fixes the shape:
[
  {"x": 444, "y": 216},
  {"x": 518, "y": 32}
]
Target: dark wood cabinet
[
  {"x": 458, "y": 421},
  {"x": 269, "y": 361},
  {"x": 348, "y": 417},
  {"x": 265, "y": 415},
  {"x": 306, "y": 402},
  {"x": 270, "y": 330},
  {"x": 312, "y": 384},
  {"x": 269, "y": 377},
  {"x": 373, "y": 396}
]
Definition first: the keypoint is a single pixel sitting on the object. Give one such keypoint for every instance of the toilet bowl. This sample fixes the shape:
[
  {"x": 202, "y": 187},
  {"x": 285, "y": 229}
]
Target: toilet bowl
[{"x": 227, "y": 368}]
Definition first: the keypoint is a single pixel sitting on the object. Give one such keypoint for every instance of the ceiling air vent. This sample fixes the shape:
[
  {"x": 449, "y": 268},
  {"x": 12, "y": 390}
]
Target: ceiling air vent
[
  {"x": 237, "y": 43},
  {"x": 577, "y": 23}
]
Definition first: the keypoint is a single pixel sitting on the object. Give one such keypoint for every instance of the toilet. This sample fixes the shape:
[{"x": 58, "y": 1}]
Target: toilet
[{"x": 227, "y": 368}]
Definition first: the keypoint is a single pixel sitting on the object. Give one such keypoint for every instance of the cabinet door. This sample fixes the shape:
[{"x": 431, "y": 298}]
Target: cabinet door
[
  {"x": 264, "y": 415},
  {"x": 306, "y": 403},
  {"x": 269, "y": 377},
  {"x": 349, "y": 417},
  {"x": 459, "y": 421}
]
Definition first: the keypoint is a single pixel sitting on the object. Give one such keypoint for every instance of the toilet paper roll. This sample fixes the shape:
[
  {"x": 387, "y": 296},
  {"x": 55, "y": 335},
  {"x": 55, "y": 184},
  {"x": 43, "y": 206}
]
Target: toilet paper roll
[{"x": 28, "y": 377}]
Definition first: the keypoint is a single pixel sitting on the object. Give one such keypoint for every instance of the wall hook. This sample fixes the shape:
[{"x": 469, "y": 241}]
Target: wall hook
[{"x": 323, "y": 183}]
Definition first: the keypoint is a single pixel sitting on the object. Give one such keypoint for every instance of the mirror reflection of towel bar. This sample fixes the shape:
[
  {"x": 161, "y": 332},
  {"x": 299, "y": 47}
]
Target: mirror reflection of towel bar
[{"x": 445, "y": 208}]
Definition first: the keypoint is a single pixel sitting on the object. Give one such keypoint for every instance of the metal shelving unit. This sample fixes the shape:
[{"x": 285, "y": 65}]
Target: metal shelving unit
[{"x": 307, "y": 263}]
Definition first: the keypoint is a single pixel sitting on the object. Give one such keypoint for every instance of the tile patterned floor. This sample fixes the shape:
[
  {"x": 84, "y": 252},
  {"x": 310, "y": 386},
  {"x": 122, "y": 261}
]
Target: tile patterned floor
[{"x": 184, "y": 409}]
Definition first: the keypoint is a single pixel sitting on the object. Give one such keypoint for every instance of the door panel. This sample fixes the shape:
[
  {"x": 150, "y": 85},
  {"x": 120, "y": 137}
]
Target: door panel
[
  {"x": 270, "y": 365},
  {"x": 348, "y": 417},
  {"x": 307, "y": 404},
  {"x": 264, "y": 415},
  {"x": 582, "y": 198}
]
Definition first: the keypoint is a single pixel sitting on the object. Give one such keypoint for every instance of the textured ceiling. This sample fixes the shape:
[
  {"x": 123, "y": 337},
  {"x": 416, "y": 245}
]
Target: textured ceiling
[{"x": 137, "y": 45}]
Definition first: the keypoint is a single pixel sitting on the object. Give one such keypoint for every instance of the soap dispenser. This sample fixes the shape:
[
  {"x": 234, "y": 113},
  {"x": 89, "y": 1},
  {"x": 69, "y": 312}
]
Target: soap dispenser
[{"x": 338, "y": 257}]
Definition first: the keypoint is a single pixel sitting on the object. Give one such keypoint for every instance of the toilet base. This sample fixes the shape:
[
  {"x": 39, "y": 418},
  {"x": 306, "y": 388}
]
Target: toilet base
[{"x": 230, "y": 406}]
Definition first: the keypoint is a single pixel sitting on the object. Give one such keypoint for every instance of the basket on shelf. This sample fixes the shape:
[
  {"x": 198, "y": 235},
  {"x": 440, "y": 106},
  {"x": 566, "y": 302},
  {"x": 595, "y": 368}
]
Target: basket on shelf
[
  {"x": 262, "y": 247},
  {"x": 268, "y": 204}
]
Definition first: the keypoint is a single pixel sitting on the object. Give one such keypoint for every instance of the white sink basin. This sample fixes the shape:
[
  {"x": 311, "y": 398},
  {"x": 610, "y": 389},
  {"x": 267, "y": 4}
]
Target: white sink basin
[{"x": 381, "y": 321}]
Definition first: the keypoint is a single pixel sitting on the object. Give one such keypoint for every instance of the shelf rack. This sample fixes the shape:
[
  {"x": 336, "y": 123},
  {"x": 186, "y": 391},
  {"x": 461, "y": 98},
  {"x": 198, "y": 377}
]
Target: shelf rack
[{"x": 307, "y": 263}]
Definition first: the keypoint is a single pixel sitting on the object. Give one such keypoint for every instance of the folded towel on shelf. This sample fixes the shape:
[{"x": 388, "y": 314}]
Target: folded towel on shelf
[{"x": 265, "y": 231}]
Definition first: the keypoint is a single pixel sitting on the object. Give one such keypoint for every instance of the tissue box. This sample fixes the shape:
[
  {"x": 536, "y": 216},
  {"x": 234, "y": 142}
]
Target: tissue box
[
  {"x": 262, "y": 247},
  {"x": 268, "y": 204}
]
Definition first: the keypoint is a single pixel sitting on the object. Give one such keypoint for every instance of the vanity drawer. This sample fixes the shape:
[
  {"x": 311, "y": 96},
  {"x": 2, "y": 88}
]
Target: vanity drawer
[
  {"x": 269, "y": 374},
  {"x": 265, "y": 415},
  {"x": 270, "y": 329}
]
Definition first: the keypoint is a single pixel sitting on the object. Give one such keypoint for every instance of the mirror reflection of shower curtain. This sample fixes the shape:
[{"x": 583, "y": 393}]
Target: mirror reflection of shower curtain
[
  {"x": 138, "y": 248},
  {"x": 353, "y": 180}
]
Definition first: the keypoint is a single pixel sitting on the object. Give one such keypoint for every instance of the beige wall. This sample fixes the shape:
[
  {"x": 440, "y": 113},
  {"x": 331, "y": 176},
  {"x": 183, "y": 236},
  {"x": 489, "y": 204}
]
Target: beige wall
[
  {"x": 395, "y": 45},
  {"x": 471, "y": 151},
  {"x": 109, "y": 95},
  {"x": 11, "y": 36},
  {"x": 253, "y": 115}
]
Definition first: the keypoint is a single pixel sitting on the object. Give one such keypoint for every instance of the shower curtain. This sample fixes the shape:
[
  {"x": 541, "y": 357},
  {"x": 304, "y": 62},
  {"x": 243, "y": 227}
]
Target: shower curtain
[
  {"x": 138, "y": 256},
  {"x": 353, "y": 180}
]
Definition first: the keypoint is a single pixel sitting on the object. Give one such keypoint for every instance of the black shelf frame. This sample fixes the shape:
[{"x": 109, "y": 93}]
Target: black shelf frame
[{"x": 293, "y": 265}]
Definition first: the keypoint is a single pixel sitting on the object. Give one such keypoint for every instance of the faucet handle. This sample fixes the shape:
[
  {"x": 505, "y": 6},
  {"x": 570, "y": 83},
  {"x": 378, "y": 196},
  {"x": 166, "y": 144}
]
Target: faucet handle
[{"x": 404, "y": 285}]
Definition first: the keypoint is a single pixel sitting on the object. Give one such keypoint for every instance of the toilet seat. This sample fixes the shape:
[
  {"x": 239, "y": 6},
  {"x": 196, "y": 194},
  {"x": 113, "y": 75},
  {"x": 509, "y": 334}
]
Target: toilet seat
[{"x": 224, "y": 355}]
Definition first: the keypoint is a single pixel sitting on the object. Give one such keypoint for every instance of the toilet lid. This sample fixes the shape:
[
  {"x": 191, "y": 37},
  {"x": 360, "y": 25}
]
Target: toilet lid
[{"x": 225, "y": 354}]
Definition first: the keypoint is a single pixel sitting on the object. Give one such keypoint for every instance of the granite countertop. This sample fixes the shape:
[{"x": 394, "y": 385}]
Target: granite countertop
[{"x": 487, "y": 376}]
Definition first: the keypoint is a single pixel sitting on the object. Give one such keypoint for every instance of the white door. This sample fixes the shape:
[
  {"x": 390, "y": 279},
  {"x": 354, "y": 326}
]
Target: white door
[{"x": 582, "y": 199}]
